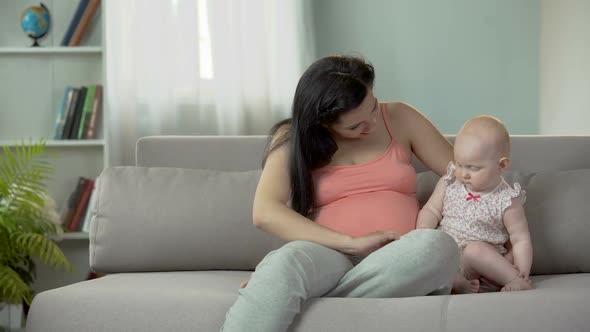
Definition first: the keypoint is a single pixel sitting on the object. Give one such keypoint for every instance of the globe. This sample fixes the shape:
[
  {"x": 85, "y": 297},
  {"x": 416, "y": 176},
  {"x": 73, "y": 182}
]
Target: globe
[{"x": 35, "y": 22}]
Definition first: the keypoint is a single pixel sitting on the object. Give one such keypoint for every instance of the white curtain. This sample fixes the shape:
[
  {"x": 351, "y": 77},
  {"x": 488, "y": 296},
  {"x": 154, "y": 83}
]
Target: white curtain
[{"x": 201, "y": 67}]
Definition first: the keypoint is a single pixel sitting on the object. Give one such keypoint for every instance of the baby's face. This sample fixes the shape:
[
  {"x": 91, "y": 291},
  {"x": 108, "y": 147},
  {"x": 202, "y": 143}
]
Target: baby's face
[{"x": 477, "y": 164}]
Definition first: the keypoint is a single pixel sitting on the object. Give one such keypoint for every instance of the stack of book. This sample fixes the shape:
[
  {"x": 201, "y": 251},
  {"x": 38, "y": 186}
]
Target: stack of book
[
  {"x": 78, "y": 210},
  {"x": 79, "y": 113},
  {"x": 80, "y": 22},
  {"x": 94, "y": 275}
]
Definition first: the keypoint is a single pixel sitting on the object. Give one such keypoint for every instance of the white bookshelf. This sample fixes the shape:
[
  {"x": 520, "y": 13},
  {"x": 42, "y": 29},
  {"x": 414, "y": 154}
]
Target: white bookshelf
[
  {"x": 74, "y": 236},
  {"x": 59, "y": 143},
  {"x": 51, "y": 50},
  {"x": 32, "y": 84}
]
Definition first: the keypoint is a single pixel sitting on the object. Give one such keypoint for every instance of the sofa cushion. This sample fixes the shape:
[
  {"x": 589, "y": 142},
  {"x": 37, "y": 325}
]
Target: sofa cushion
[
  {"x": 558, "y": 214},
  {"x": 198, "y": 301},
  {"x": 158, "y": 219},
  {"x": 153, "y": 301},
  {"x": 558, "y": 303}
]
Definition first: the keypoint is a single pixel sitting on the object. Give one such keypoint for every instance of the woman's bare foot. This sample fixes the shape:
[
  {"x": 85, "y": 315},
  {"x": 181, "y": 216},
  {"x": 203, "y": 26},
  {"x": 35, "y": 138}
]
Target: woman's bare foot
[
  {"x": 517, "y": 284},
  {"x": 463, "y": 286}
]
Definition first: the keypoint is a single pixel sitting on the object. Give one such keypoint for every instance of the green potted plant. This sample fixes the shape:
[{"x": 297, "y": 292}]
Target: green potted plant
[{"x": 27, "y": 221}]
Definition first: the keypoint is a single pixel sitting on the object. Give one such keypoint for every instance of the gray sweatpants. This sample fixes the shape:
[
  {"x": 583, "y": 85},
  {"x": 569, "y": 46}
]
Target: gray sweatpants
[{"x": 422, "y": 262}]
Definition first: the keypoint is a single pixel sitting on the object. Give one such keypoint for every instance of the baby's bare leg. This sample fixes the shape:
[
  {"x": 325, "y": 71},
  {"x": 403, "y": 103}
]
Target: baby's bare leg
[
  {"x": 490, "y": 286},
  {"x": 464, "y": 283},
  {"x": 482, "y": 259},
  {"x": 517, "y": 284}
]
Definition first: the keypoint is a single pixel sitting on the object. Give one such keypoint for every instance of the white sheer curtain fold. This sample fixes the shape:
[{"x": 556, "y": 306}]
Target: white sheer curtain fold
[{"x": 201, "y": 67}]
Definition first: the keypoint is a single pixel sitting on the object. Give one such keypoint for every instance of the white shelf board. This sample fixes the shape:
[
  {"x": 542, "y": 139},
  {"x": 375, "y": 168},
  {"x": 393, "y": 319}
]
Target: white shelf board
[
  {"x": 76, "y": 236},
  {"x": 71, "y": 236},
  {"x": 58, "y": 143},
  {"x": 51, "y": 50}
]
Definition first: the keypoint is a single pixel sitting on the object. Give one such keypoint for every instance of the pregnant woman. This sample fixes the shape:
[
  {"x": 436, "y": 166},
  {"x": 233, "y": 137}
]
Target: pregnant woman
[{"x": 338, "y": 183}]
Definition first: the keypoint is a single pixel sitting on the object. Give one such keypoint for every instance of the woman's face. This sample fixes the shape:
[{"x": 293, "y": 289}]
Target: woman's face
[{"x": 358, "y": 122}]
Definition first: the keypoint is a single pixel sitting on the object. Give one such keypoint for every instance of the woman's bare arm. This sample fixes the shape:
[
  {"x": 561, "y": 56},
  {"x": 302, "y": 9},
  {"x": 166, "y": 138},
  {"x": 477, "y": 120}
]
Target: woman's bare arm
[{"x": 427, "y": 143}]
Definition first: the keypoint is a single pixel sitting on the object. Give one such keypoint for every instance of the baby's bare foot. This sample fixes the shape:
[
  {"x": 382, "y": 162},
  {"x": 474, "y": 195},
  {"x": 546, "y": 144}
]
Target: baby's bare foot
[
  {"x": 517, "y": 284},
  {"x": 464, "y": 286}
]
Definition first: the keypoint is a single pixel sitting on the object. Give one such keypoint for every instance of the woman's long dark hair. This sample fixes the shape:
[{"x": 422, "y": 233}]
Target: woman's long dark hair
[{"x": 330, "y": 87}]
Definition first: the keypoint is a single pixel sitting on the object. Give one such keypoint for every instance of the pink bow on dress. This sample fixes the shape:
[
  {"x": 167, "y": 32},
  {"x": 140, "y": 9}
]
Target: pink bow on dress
[{"x": 473, "y": 197}]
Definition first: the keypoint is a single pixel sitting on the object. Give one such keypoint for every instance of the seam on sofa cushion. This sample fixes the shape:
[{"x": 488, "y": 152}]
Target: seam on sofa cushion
[{"x": 443, "y": 313}]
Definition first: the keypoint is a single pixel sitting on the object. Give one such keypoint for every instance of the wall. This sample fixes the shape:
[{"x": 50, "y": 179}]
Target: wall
[
  {"x": 452, "y": 59},
  {"x": 565, "y": 67}
]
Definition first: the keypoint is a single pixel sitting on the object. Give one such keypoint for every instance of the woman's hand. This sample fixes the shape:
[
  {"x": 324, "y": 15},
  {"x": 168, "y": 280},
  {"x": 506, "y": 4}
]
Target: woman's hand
[{"x": 364, "y": 245}]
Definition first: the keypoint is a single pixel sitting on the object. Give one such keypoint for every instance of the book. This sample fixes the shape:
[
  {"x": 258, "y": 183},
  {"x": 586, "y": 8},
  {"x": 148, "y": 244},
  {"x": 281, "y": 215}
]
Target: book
[
  {"x": 80, "y": 211},
  {"x": 92, "y": 128},
  {"x": 84, "y": 22},
  {"x": 86, "y": 111},
  {"x": 93, "y": 275},
  {"x": 73, "y": 134},
  {"x": 70, "y": 114},
  {"x": 62, "y": 114},
  {"x": 70, "y": 207},
  {"x": 74, "y": 22}
]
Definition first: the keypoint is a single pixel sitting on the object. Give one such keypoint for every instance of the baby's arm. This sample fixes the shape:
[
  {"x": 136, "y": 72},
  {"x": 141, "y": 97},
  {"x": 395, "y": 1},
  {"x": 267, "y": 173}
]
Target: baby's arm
[
  {"x": 431, "y": 214},
  {"x": 517, "y": 226}
]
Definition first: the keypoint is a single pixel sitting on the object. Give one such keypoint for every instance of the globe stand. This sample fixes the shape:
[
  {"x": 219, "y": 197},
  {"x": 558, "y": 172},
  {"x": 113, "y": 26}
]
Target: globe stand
[{"x": 35, "y": 40}]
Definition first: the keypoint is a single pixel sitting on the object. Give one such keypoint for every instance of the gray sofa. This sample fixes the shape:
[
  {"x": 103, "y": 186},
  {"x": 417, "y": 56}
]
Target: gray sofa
[{"x": 175, "y": 236}]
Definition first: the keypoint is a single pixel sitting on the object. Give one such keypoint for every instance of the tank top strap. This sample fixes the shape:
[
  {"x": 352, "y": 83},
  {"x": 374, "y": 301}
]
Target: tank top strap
[
  {"x": 394, "y": 146},
  {"x": 383, "y": 108}
]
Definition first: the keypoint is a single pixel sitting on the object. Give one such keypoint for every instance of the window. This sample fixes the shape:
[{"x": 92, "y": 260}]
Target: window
[{"x": 205, "y": 56}]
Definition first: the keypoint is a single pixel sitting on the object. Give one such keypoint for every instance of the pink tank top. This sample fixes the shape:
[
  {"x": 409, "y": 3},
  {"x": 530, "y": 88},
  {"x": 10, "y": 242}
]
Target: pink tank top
[{"x": 377, "y": 195}]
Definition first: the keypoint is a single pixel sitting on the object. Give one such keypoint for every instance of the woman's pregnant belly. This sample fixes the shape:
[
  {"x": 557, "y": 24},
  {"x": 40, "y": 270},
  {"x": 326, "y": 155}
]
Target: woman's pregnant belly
[{"x": 360, "y": 214}]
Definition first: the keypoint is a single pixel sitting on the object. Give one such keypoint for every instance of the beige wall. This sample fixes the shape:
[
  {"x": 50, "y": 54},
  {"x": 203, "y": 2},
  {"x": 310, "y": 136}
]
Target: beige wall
[{"x": 564, "y": 73}]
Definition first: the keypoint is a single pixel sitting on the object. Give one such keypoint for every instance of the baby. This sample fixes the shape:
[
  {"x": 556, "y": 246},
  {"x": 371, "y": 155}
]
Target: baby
[{"x": 478, "y": 208}]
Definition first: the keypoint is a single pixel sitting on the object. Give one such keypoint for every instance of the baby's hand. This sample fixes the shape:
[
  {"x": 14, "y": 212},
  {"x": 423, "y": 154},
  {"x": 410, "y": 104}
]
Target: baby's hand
[
  {"x": 522, "y": 275},
  {"x": 244, "y": 283},
  {"x": 517, "y": 269}
]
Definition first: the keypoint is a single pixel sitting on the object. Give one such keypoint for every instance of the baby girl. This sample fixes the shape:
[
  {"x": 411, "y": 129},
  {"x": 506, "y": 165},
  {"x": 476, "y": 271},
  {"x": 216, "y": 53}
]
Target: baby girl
[{"x": 481, "y": 211}]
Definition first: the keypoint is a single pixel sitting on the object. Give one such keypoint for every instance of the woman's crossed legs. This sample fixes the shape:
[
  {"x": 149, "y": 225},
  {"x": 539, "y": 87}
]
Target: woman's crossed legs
[{"x": 420, "y": 263}]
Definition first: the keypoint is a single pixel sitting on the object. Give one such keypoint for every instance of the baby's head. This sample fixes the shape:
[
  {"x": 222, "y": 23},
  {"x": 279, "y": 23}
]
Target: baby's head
[{"x": 482, "y": 153}]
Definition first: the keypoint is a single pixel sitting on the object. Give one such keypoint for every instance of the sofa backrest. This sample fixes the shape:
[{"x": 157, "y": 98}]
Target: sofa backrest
[
  {"x": 156, "y": 233},
  {"x": 239, "y": 153},
  {"x": 224, "y": 153}
]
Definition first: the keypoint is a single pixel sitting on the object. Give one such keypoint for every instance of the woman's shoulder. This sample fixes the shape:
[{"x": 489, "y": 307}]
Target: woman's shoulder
[
  {"x": 277, "y": 143},
  {"x": 401, "y": 117},
  {"x": 282, "y": 132},
  {"x": 279, "y": 135},
  {"x": 420, "y": 135},
  {"x": 399, "y": 107},
  {"x": 401, "y": 112}
]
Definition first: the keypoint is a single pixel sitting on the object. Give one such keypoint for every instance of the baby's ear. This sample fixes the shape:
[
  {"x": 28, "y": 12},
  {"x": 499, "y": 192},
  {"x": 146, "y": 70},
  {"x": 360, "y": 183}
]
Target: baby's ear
[{"x": 504, "y": 163}]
